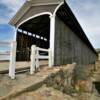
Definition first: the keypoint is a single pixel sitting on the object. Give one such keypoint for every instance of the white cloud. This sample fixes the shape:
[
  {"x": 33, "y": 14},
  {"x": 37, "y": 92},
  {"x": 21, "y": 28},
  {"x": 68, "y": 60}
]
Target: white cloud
[
  {"x": 86, "y": 11},
  {"x": 88, "y": 14},
  {"x": 10, "y": 8},
  {"x": 12, "y": 4},
  {"x": 3, "y": 21}
]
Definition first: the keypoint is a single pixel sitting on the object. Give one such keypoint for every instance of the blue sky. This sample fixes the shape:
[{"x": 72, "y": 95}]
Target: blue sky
[
  {"x": 7, "y": 10},
  {"x": 86, "y": 11}
]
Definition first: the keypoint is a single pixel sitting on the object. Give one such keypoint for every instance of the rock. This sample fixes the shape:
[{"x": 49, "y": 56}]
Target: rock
[{"x": 84, "y": 85}]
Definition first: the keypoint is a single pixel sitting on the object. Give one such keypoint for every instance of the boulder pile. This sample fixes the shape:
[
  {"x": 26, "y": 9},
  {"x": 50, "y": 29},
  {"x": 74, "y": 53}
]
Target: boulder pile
[{"x": 69, "y": 81}]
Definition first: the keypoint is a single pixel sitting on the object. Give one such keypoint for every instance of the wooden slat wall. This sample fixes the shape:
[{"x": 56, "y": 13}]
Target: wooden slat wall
[{"x": 69, "y": 47}]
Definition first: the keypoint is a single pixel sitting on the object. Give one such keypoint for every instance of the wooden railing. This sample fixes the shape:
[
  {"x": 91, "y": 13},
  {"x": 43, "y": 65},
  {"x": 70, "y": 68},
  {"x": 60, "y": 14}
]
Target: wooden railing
[
  {"x": 36, "y": 56},
  {"x": 11, "y": 57},
  {"x": 4, "y": 56}
]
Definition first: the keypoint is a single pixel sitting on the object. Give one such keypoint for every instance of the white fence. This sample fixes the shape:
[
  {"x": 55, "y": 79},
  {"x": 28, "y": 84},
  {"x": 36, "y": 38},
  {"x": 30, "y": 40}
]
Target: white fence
[
  {"x": 11, "y": 56},
  {"x": 4, "y": 56},
  {"x": 35, "y": 57}
]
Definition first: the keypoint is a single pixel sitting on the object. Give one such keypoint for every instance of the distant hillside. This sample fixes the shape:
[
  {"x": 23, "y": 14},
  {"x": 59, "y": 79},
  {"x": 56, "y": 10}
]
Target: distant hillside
[{"x": 98, "y": 50}]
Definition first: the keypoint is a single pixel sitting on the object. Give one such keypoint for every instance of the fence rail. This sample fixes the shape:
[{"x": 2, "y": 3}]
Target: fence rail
[
  {"x": 42, "y": 57},
  {"x": 5, "y": 42},
  {"x": 11, "y": 56},
  {"x": 4, "y": 57},
  {"x": 35, "y": 57},
  {"x": 41, "y": 49}
]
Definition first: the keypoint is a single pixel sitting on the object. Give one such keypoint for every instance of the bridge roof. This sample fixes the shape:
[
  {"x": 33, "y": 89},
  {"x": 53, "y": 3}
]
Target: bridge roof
[{"x": 28, "y": 4}]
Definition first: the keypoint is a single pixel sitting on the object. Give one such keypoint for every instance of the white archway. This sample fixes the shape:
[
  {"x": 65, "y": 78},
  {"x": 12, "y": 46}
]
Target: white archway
[
  {"x": 54, "y": 13},
  {"x": 34, "y": 16}
]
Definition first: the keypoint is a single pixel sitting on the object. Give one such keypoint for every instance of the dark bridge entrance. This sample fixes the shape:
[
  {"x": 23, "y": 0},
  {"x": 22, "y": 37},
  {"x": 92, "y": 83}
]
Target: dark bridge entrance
[{"x": 35, "y": 31}]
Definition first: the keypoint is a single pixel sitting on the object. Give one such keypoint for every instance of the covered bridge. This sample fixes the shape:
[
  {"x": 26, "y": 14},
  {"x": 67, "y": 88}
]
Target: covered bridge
[{"x": 51, "y": 24}]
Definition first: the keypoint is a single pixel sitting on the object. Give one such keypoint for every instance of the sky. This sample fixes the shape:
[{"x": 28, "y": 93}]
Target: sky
[
  {"x": 88, "y": 14},
  {"x": 86, "y": 11}
]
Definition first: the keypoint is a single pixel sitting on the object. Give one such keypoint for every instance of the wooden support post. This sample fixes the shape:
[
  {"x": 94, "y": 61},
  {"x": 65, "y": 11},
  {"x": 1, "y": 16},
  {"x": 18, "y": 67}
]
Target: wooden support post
[
  {"x": 52, "y": 36},
  {"x": 12, "y": 60},
  {"x": 32, "y": 67},
  {"x": 37, "y": 60},
  {"x": 50, "y": 58}
]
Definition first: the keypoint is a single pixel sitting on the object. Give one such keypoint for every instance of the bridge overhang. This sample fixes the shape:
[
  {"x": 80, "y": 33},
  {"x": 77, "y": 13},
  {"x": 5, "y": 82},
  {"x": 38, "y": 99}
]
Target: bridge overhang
[{"x": 33, "y": 7}]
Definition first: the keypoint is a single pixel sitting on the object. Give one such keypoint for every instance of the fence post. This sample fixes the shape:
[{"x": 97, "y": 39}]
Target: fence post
[
  {"x": 12, "y": 60},
  {"x": 50, "y": 58},
  {"x": 37, "y": 60},
  {"x": 32, "y": 67}
]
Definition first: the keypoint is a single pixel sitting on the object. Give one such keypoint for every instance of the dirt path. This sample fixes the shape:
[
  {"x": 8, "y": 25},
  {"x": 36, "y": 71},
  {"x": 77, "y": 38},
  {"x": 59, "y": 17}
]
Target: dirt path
[
  {"x": 44, "y": 93},
  {"x": 5, "y": 65},
  {"x": 26, "y": 82}
]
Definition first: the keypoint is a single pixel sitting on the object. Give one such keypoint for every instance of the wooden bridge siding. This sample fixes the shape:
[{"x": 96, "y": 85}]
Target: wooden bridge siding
[
  {"x": 36, "y": 10},
  {"x": 69, "y": 47}
]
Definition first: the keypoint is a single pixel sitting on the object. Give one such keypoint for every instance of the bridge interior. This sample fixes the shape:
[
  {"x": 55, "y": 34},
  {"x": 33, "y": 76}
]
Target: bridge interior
[{"x": 35, "y": 31}]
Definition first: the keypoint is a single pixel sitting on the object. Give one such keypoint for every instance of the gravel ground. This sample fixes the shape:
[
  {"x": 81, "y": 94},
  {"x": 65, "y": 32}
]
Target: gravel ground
[{"x": 44, "y": 93}]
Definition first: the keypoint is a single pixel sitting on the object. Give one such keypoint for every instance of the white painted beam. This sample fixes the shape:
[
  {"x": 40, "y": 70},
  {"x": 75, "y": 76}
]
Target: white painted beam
[
  {"x": 37, "y": 59},
  {"x": 32, "y": 67},
  {"x": 42, "y": 57},
  {"x": 50, "y": 58},
  {"x": 41, "y": 49},
  {"x": 52, "y": 36},
  {"x": 12, "y": 60}
]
